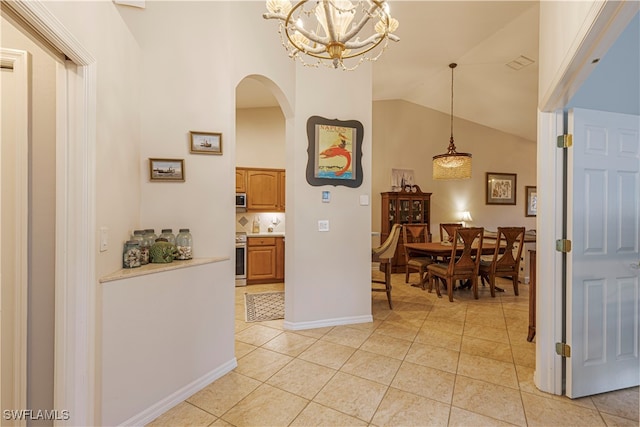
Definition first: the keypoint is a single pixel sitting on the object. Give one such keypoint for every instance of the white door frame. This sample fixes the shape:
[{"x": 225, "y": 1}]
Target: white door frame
[
  {"x": 75, "y": 281},
  {"x": 18, "y": 60},
  {"x": 604, "y": 24}
]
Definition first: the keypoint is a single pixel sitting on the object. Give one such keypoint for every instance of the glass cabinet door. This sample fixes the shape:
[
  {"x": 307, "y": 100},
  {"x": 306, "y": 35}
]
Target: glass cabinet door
[
  {"x": 416, "y": 211},
  {"x": 405, "y": 211},
  {"x": 392, "y": 214},
  {"x": 425, "y": 210}
]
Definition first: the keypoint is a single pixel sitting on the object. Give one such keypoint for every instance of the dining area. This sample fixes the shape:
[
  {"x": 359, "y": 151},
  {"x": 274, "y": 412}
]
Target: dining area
[{"x": 470, "y": 258}]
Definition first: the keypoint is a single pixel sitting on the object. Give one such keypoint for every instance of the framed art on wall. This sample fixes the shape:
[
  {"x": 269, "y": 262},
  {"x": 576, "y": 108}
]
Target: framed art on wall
[
  {"x": 335, "y": 152},
  {"x": 205, "y": 142},
  {"x": 531, "y": 201},
  {"x": 501, "y": 188},
  {"x": 166, "y": 169}
]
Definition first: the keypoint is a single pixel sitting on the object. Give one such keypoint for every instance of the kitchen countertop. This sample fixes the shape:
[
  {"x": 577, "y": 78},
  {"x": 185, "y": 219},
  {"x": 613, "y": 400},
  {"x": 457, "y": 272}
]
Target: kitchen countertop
[{"x": 266, "y": 234}]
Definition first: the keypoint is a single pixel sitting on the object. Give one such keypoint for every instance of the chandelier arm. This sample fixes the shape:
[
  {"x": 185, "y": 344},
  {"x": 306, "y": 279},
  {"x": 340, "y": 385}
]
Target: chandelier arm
[
  {"x": 316, "y": 50},
  {"x": 310, "y": 35},
  {"x": 272, "y": 15},
  {"x": 363, "y": 21},
  {"x": 357, "y": 44},
  {"x": 329, "y": 19}
]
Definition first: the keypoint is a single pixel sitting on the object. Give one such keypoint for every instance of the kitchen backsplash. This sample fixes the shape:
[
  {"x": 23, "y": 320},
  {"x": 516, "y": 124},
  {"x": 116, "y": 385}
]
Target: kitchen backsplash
[{"x": 245, "y": 221}]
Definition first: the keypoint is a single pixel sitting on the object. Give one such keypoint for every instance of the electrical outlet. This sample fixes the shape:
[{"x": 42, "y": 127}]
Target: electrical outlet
[{"x": 323, "y": 225}]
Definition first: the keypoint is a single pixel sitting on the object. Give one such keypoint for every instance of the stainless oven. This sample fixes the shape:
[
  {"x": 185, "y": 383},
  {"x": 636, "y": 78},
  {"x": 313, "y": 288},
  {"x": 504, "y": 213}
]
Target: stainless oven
[{"x": 241, "y": 259}]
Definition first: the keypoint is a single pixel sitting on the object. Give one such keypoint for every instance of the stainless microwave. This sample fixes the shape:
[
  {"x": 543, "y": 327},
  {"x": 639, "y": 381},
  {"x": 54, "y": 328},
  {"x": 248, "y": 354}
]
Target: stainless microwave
[{"x": 241, "y": 202}]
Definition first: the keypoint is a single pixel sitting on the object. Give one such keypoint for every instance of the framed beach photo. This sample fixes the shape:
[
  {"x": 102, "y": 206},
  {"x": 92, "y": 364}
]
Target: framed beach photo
[
  {"x": 501, "y": 188},
  {"x": 531, "y": 200},
  {"x": 335, "y": 152},
  {"x": 166, "y": 170},
  {"x": 205, "y": 142}
]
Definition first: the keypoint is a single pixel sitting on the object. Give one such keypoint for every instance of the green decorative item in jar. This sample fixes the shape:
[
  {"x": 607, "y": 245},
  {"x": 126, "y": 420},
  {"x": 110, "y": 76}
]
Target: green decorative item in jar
[
  {"x": 162, "y": 252},
  {"x": 184, "y": 244}
]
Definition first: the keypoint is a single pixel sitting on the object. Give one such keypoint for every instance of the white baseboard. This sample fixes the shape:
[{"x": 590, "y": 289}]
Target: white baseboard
[
  {"x": 298, "y": 326},
  {"x": 154, "y": 411}
]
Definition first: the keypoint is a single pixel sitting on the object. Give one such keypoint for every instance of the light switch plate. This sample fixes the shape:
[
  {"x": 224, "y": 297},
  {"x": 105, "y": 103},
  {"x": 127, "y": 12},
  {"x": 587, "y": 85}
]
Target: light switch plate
[
  {"x": 364, "y": 200},
  {"x": 104, "y": 239},
  {"x": 323, "y": 225}
]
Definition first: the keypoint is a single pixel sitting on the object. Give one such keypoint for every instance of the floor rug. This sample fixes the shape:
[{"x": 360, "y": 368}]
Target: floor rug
[{"x": 264, "y": 306}]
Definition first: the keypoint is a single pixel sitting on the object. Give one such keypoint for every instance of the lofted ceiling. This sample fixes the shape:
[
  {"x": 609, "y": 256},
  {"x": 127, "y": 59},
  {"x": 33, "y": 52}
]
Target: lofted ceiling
[{"x": 482, "y": 37}]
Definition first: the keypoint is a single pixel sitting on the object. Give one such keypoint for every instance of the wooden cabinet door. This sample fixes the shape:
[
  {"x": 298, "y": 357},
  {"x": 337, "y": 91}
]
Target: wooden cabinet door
[
  {"x": 282, "y": 190},
  {"x": 280, "y": 258},
  {"x": 261, "y": 263},
  {"x": 241, "y": 180},
  {"x": 262, "y": 190}
]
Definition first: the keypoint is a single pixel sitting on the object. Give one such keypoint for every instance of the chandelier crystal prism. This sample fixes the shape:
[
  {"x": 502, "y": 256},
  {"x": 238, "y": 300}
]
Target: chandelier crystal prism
[
  {"x": 328, "y": 32},
  {"x": 452, "y": 165}
]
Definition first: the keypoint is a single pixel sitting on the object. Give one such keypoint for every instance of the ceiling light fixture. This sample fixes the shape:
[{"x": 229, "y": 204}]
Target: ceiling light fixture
[
  {"x": 329, "y": 31},
  {"x": 452, "y": 165}
]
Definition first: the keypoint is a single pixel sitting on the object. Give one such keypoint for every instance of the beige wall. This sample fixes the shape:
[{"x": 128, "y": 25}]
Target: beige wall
[
  {"x": 118, "y": 132},
  {"x": 407, "y": 136},
  {"x": 40, "y": 343},
  {"x": 260, "y": 138}
]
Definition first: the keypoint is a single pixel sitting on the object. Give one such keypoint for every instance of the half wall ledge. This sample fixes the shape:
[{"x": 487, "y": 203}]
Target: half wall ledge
[{"x": 127, "y": 273}]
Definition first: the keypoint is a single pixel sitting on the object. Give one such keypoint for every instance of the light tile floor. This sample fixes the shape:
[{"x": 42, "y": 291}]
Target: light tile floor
[{"x": 427, "y": 362}]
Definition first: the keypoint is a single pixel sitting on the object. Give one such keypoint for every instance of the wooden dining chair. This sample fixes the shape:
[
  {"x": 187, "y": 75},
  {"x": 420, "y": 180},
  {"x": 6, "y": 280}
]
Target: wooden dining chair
[
  {"x": 384, "y": 255},
  {"x": 415, "y": 233},
  {"x": 448, "y": 230},
  {"x": 505, "y": 261},
  {"x": 463, "y": 263}
]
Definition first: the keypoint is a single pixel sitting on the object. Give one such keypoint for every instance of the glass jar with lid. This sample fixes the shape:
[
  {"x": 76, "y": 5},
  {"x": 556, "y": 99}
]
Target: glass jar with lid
[
  {"x": 167, "y": 233},
  {"x": 184, "y": 244},
  {"x": 138, "y": 236},
  {"x": 145, "y": 247},
  {"x": 131, "y": 254}
]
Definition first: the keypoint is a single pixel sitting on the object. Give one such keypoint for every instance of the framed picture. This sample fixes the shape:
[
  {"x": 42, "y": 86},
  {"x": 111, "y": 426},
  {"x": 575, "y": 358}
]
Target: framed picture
[
  {"x": 205, "y": 143},
  {"x": 531, "y": 206},
  {"x": 401, "y": 178},
  {"x": 335, "y": 152},
  {"x": 501, "y": 188},
  {"x": 166, "y": 169}
]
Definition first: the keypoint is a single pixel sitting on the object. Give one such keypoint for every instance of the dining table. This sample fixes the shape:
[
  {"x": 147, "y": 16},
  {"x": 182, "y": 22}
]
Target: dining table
[{"x": 442, "y": 250}]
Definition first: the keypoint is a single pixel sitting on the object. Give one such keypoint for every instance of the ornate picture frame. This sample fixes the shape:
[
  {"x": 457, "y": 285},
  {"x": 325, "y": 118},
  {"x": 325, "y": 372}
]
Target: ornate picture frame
[
  {"x": 335, "y": 152},
  {"x": 501, "y": 188}
]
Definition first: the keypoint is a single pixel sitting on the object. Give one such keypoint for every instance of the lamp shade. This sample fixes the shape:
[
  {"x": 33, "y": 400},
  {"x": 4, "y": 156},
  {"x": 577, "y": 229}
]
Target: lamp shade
[{"x": 452, "y": 166}]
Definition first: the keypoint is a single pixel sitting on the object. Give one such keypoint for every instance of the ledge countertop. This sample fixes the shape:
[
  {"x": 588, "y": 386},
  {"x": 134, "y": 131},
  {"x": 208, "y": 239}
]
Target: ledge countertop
[{"x": 127, "y": 273}]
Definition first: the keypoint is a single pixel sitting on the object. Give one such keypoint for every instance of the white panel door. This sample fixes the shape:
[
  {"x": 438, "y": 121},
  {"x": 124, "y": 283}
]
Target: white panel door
[{"x": 604, "y": 227}]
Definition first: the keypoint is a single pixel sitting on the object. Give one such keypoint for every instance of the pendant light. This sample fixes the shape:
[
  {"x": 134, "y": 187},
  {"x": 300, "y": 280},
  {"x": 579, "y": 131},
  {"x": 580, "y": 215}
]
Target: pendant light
[{"x": 452, "y": 165}]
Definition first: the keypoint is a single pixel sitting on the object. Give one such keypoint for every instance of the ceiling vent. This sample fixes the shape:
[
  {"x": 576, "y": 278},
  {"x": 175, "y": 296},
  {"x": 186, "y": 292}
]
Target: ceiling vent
[{"x": 520, "y": 62}]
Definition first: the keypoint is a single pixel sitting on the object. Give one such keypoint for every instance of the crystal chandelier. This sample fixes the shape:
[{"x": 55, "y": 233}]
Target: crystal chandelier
[
  {"x": 329, "y": 31},
  {"x": 452, "y": 165}
]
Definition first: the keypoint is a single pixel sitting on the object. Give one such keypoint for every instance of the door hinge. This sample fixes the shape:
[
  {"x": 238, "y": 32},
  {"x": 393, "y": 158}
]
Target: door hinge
[
  {"x": 563, "y": 349},
  {"x": 565, "y": 141},
  {"x": 563, "y": 245}
]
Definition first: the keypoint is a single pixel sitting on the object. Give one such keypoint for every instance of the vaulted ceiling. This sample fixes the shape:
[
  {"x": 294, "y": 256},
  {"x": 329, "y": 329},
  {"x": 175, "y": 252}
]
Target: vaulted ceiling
[{"x": 482, "y": 37}]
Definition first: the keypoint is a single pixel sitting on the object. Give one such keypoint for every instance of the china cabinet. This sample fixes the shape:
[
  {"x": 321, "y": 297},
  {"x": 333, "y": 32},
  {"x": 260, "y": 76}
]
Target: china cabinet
[{"x": 407, "y": 206}]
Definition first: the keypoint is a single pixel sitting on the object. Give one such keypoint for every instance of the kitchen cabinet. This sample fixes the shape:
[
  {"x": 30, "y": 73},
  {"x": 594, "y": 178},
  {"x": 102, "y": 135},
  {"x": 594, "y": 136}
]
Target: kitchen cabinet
[
  {"x": 280, "y": 259},
  {"x": 265, "y": 188},
  {"x": 407, "y": 206},
  {"x": 265, "y": 259},
  {"x": 241, "y": 180}
]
